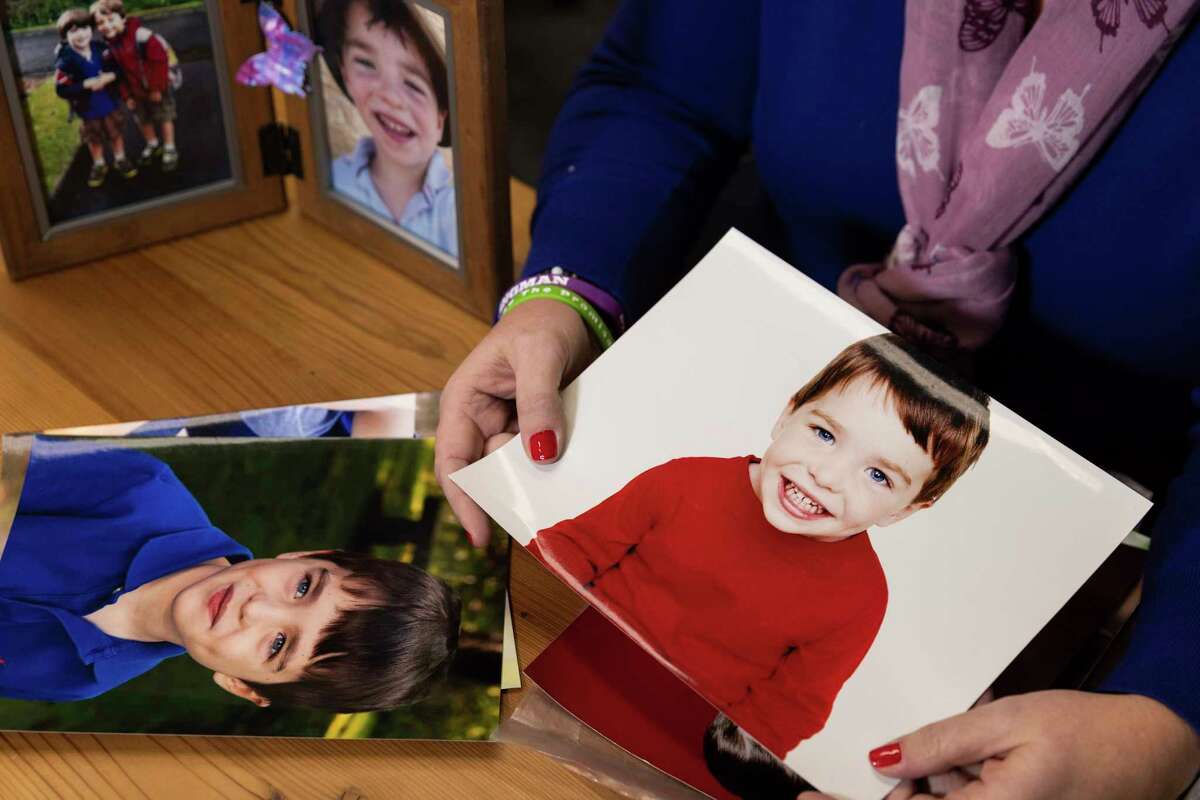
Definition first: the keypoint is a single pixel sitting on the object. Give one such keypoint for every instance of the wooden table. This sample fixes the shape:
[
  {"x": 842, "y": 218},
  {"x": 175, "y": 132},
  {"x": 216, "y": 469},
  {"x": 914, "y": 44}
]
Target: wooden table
[{"x": 269, "y": 312}]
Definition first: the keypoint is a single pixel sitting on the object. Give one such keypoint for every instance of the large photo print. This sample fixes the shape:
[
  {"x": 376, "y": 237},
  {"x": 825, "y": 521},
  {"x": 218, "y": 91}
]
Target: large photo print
[
  {"x": 799, "y": 515},
  {"x": 219, "y": 586},
  {"x": 124, "y": 101}
]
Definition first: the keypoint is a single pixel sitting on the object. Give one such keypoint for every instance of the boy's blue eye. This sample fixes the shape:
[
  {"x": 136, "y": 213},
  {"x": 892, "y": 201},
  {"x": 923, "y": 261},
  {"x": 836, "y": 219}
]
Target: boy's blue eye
[
  {"x": 302, "y": 587},
  {"x": 277, "y": 644},
  {"x": 362, "y": 62},
  {"x": 879, "y": 476},
  {"x": 415, "y": 87},
  {"x": 822, "y": 434}
]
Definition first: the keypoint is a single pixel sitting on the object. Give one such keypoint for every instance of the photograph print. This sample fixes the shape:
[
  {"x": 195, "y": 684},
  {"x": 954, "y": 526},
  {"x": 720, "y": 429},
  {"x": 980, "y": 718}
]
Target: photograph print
[
  {"x": 400, "y": 416},
  {"x": 316, "y": 587},
  {"x": 124, "y": 102},
  {"x": 794, "y": 508},
  {"x": 385, "y": 106}
]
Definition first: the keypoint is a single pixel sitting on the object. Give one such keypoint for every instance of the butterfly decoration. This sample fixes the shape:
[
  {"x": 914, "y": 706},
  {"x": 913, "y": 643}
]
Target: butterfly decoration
[
  {"x": 916, "y": 134},
  {"x": 288, "y": 53},
  {"x": 983, "y": 20},
  {"x": 1107, "y": 14},
  {"x": 1027, "y": 121}
]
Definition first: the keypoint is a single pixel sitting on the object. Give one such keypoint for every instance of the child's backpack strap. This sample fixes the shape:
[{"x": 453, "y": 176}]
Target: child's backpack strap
[{"x": 174, "y": 71}]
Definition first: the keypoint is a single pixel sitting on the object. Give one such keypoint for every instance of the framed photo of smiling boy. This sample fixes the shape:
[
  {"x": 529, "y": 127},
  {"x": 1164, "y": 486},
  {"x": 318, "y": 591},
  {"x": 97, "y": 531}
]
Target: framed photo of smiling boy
[
  {"x": 800, "y": 514},
  {"x": 401, "y": 137}
]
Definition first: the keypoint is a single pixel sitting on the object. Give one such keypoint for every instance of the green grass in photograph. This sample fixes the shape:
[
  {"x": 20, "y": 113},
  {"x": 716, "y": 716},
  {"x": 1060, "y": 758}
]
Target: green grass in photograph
[
  {"x": 25, "y": 14},
  {"x": 55, "y": 139}
]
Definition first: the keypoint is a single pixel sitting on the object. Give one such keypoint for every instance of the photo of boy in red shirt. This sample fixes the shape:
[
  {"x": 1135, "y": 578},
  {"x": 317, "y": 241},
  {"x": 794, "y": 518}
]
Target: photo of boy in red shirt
[
  {"x": 145, "y": 61},
  {"x": 754, "y": 577}
]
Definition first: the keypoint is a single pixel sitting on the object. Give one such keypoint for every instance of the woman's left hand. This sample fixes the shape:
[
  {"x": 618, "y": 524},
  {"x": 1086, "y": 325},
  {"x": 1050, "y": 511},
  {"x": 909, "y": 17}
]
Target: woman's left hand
[{"x": 1056, "y": 745}]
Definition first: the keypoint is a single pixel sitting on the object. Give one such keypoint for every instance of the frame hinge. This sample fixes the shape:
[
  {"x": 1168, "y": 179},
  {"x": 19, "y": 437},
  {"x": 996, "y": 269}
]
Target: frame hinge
[{"x": 280, "y": 145}]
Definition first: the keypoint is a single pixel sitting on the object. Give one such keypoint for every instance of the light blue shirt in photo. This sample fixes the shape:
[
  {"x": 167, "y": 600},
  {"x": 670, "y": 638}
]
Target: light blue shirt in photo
[{"x": 430, "y": 214}]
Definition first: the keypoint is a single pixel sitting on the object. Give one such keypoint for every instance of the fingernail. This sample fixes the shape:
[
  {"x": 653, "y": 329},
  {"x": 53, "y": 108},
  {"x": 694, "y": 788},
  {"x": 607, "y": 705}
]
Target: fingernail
[
  {"x": 543, "y": 446},
  {"x": 886, "y": 756}
]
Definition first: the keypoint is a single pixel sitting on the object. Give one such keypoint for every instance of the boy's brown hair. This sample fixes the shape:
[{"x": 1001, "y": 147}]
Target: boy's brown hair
[
  {"x": 396, "y": 16},
  {"x": 946, "y": 416},
  {"x": 388, "y": 651},
  {"x": 73, "y": 18},
  {"x": 107, "y": 7}
]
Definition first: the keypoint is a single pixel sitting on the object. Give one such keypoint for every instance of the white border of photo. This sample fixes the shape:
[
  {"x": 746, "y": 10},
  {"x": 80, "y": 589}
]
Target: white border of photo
[{"x": 707, "y": 371}]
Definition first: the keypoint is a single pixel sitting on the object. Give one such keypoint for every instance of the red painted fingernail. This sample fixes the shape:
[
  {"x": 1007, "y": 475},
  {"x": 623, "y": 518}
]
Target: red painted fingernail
[
  {"x": 543, "y": 446},
  {"x": 886, "y": 756}
]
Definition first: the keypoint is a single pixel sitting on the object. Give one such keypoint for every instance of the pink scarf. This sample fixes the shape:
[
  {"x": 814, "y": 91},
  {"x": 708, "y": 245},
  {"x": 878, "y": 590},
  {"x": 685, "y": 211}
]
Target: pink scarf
[{"x": 997, "y": 118}]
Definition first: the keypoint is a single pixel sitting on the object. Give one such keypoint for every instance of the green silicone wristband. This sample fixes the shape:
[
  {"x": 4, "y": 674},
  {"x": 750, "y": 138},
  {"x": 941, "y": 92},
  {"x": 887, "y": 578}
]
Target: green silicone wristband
[{"x": 590, "y": 316}]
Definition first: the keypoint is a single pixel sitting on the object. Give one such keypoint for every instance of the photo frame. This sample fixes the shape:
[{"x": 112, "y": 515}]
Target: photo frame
[
  {"x": 92, "y": 177},
  {"x": 54, "y": 211},
  {"x": 339, "y": 141}
]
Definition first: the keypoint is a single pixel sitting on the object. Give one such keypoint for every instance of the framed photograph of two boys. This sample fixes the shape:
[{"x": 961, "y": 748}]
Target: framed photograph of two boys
[{"x": 126, "y": 127}]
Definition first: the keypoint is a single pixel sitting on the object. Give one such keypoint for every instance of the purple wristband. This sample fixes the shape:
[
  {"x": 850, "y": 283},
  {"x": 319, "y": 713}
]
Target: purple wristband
[{"x": 601, "y": 300}]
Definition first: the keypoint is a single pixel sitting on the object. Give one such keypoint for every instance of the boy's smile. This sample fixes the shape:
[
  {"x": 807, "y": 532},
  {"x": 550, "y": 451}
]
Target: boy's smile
[
  {"x": 840, "y": 464},
  {"x": 260, "y": 620},
  {"x": 390, "y": 86},
  {"x": 109, "y": 24},
  {"x": 80, "y": 38}
]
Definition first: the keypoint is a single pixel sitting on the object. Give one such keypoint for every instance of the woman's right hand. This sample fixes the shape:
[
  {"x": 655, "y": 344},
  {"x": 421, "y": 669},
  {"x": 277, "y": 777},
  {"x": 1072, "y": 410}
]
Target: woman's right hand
[{"x": 510, "y": 384}]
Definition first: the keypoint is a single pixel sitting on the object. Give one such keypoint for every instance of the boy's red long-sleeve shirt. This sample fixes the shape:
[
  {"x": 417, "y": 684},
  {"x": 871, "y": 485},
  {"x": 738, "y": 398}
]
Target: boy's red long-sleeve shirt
[
  {"x": 144, "y": 68},
  {"x": 765, "y": 625}
]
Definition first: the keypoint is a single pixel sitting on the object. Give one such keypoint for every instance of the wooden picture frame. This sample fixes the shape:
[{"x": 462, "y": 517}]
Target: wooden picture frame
[
  {"x": 473, "y": 47},
  {"x": 37, "y": 237}
]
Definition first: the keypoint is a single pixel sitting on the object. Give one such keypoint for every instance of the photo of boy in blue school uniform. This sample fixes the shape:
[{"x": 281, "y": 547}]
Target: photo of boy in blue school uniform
[
  {"x": 85, "y": 74},
  {"x": 389, "y": 65},
  {"x": 111, "y": 566}
]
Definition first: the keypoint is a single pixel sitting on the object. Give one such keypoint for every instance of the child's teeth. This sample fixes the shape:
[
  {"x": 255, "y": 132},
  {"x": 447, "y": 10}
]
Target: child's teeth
[{"x": 804, "y": 501}]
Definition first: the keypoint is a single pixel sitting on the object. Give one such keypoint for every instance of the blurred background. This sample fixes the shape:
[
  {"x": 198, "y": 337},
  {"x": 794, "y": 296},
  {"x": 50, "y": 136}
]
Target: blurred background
[{"x": 546, "y": 42}]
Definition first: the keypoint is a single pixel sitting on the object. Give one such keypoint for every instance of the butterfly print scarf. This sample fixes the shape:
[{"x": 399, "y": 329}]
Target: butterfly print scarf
[{"x": 998, "y": 114}]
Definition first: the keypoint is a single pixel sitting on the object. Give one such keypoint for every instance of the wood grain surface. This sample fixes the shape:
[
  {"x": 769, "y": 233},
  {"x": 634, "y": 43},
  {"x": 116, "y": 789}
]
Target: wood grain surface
[{"x": 267, "y": 312}]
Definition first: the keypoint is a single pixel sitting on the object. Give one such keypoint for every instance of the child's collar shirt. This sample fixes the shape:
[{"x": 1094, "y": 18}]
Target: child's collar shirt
[
  {"x": 302, "y": 422},
  {"x": 430, "y": 214},
  {"x": 90, "y": 526}
]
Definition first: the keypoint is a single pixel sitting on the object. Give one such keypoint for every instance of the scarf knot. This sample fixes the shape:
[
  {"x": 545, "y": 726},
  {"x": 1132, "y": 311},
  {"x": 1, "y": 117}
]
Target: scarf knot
[{"x": 945, "y": 298}]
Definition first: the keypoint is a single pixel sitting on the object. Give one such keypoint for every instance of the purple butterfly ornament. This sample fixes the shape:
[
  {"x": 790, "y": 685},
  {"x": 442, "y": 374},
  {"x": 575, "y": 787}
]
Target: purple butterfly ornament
[{"x": 287, "y": 56}]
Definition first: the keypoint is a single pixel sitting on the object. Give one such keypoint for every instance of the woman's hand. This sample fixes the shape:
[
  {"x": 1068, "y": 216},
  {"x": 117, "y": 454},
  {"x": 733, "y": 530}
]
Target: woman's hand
[
  {"x": 508, "y": 384},
  {"x": 1054, "y": 745}
]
